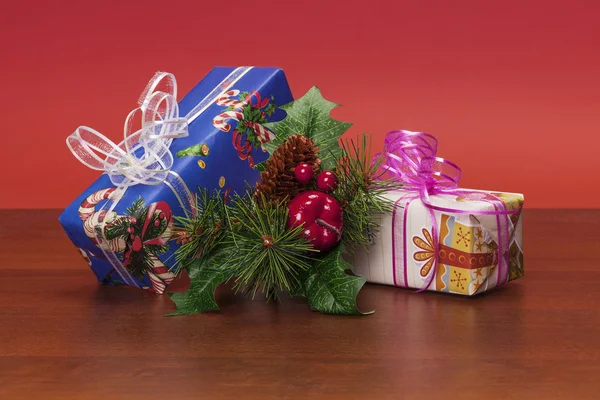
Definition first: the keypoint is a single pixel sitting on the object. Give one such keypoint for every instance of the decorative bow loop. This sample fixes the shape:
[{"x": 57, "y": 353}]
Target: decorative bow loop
[
  {"x": 143, "y": 157},
  {"x": 411, "y": 158}
]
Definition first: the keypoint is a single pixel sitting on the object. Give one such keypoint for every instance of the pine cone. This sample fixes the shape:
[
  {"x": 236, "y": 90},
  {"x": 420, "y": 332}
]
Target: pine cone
[{"x": 277, "y": 182}]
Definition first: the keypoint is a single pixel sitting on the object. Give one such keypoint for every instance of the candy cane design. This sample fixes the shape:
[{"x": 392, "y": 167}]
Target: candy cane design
[
  {"x": 159, "y": 274},
  {"x": 220, "y": 121},
  {"x": 92, "y": 219},
  {"x": 226, "y": 99},
  {"x": 85, "y": 256}
]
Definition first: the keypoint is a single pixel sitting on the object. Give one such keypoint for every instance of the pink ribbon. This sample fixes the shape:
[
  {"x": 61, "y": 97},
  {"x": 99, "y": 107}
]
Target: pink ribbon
[{"x": 410, "y": 158}]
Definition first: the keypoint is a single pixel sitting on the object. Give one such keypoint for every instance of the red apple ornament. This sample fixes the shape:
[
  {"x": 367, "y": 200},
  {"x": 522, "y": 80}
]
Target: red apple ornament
[
  {"x": 327, "y": 181},
  {"x": 321, "y": 217},
  {"x": 304, "y": 173}
]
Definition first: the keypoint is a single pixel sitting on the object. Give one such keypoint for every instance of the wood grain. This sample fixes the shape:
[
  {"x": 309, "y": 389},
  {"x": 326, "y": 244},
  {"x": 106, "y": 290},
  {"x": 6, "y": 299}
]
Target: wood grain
[{"x": 62, "y": 336}]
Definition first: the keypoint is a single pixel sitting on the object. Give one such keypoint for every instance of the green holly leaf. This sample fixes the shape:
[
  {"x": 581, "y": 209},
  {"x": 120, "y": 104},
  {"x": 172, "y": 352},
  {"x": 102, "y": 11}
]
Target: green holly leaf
[
  {"x": 241, "y": 127},
  {"x": 260, "y": 167},
  {"x": 255, "y": 116},
  {"x": 329, "y": 289},
  {"x": 309, "y": 116},
  {"x": 243, "y": 95},
  {"x": 206, "y": 273},
  {"x": 270, "y": 109}
]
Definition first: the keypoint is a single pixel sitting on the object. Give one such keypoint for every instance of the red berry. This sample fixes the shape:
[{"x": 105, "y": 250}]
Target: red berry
[
  {"x": 137, "y": 244},
  {"x": 321, "y": 217},
  {"x": 304, "y": 173},
  {"x": 327, "y": 181},
  {"x": 157, "y": 222}
]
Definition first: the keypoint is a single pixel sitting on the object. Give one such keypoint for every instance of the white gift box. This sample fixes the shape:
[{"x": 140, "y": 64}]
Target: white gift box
[{"x": 475, "y": 252}]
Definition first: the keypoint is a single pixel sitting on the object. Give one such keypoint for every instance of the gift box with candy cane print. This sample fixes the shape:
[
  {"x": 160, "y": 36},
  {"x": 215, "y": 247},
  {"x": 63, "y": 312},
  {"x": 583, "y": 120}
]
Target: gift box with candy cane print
[
  {"x": 440, "y": 237},
  {"x": 123, "y": 224}
]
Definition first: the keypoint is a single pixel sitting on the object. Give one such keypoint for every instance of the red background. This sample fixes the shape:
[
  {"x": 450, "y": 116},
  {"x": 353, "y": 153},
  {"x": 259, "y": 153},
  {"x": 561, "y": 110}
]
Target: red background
[{"x": 510, "y": 88}]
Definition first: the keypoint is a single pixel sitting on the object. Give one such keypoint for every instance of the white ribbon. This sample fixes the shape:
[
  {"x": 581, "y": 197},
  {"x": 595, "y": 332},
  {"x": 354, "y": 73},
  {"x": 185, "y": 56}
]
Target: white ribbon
[{"x": 144, "y": 157}]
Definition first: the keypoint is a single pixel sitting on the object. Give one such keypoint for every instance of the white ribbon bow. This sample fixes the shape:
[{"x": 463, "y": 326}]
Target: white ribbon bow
[{"x": 143, "y": 156}]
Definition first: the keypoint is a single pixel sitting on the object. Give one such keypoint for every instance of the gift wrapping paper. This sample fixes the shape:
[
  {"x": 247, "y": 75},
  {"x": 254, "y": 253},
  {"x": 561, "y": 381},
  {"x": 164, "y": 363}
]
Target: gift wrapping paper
[
  {"x": 403, "y": 254},
  {"x": 133, "y": 240}
]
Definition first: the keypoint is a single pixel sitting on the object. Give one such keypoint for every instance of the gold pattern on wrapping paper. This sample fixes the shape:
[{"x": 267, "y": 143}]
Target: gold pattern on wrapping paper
[
  {"x": 515, "y": 262},
  {"x": 204, "y": 149},
  {"x": 428, "y": 255},
  {"x": 457, "y": 281}
]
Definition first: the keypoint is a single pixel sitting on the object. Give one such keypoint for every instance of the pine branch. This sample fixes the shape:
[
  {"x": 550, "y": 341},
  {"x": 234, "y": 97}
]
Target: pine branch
[
  {"x": 156, "y": 249},
  {"x": 199, "y": 235},
  {"x": 361, "y": 193},
  {"x": 137, "y": 209},
  {"x": 139, "y": 263},
  {"x": 268, "y": 257},
  {"x": 117, "y": 228}
]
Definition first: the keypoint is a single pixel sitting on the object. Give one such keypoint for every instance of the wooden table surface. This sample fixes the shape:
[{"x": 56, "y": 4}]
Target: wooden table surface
[{"x": 62, "y": 336}]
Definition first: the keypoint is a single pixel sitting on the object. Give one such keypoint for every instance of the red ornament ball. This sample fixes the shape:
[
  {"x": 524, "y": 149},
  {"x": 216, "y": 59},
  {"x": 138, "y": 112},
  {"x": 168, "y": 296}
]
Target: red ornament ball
[
  {"x": 327, "y": 181},
  {"x": 321, "y": 217},
  {"x": 304, "y": 173}
]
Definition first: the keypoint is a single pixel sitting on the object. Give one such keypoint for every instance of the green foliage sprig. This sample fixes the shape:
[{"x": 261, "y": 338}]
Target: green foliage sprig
[
  {"x": 247, "y": 240},
  {"x": 268, "y": 257},
  {"x": 361, "y": 192},
  {"x": 309, "y": 116},
  {"x": 200, "y": 234},
  {"x": 138, "y": 262}
]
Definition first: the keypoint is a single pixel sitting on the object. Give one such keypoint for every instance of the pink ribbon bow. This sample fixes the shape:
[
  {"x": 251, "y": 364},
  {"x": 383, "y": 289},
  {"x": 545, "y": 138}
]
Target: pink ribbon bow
[{"x": 410, "y": 158}]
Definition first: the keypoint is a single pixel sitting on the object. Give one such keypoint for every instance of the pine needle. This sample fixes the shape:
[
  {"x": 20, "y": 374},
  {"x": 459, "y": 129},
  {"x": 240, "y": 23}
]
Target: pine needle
[
  {"x": 201, "y": 234},
  {"x": 269, "y": 256},
  {"x": 361, "y": 192}
]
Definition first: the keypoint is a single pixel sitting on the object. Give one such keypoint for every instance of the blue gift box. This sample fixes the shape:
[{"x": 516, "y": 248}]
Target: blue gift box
[{"x": 127, "y": 234}]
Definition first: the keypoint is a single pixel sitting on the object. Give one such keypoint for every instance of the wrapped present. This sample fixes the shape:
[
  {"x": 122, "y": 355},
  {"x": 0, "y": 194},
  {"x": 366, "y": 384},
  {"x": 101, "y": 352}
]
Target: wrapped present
[
  {"x": 440, "y": 237},
  {"x": 124, "y": 223}
]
